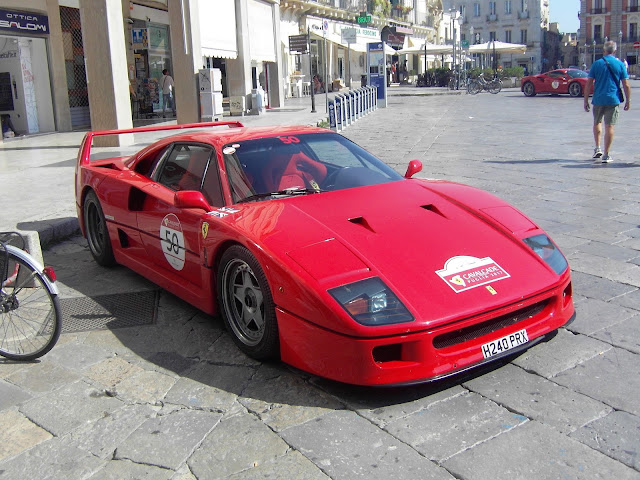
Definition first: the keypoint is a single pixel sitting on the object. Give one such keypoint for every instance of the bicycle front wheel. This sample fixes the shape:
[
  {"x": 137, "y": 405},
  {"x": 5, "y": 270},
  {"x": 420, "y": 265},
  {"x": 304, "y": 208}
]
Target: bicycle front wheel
[
  {"x": 30, "y": 316},
  {"x": 495, "y": 87}
]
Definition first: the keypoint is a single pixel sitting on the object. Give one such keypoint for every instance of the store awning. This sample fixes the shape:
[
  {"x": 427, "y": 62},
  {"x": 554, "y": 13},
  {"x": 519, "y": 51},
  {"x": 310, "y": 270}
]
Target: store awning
[
  {"x": 262, "y": 39},
  {"x": 359, "y": 47},
  {"x": 218, "y": 29}
]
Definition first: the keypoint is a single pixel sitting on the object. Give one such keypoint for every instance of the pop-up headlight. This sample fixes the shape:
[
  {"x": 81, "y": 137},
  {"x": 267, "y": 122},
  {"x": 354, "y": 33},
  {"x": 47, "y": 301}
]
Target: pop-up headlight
[
  {"x": 547, "y": 250},
  {"x": 370, "y": 302}
]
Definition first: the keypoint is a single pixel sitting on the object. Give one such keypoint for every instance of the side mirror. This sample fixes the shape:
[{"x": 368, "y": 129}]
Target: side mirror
[
  {"x": 414, "y": 167},
  {"x": 191, "y": 199}
]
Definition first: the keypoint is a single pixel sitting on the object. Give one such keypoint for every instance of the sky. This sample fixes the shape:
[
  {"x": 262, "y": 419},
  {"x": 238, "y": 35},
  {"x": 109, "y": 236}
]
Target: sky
[{"x": 565, "y": 12}]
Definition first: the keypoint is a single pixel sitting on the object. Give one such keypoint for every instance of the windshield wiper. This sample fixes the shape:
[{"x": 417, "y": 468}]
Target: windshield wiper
[{"x": 287, "y": 192}]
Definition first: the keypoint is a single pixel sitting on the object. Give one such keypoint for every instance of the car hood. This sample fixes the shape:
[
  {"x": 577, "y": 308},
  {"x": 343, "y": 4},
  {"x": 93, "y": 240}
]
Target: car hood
[{"x": 432, "y": 250}]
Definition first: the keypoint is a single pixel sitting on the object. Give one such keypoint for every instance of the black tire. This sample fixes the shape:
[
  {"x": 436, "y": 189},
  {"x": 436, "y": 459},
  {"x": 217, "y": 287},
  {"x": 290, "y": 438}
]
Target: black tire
[
  {"x": 97, "y": 233},
  {"x": 495, "y": 86},
  {"x": 30, "y": 315},
  {"x": 247, "y": 305},
  {"x": 529, "y": 89},
  {"x": 575, "y": 89}
]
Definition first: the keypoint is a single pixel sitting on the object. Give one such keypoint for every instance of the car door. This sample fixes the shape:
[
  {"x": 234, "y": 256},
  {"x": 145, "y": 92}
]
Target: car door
[
  {"x": 556, "y": 82},
  {"x": 172, "y": 235}
]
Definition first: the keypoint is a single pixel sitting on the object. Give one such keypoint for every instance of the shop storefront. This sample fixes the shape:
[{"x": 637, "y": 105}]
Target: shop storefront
[{"x": 25, "y": 86}]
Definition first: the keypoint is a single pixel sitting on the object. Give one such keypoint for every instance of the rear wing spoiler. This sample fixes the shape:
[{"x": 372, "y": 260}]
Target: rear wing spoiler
[{"x": 84, "y": 153}]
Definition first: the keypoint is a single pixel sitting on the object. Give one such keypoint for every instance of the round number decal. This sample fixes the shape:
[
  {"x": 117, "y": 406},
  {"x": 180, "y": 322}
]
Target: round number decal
[{"x": 172, "y": 241}]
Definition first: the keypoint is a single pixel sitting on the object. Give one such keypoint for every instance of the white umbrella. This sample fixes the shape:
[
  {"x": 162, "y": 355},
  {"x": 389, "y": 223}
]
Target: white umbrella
[
  {"x": 428, "y": 49},
  {"x": 497, "y": 46}
]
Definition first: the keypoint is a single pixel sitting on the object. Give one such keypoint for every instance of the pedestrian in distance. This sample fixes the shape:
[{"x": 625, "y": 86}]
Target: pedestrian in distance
[
  {"x": 607, "y": 73},
  {"x": 166, "y": 83}
]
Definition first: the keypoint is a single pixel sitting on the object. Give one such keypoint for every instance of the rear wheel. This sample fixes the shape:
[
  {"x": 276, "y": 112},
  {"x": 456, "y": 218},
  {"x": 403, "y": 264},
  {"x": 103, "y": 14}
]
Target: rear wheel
[
  {"x": 529, "y": 90},
  {"x": 30, "y": 316},
  {"x": 474, "y": 87},
  {"x": 97, "y": 233},
  {"x": 575, "y": 89},
  {"x": 247, "y": 304}
]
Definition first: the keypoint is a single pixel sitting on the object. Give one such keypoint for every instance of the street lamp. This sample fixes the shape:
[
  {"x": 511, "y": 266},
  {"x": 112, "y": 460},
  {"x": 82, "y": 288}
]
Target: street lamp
[
  {"x": 620, "y": 43},
  {"x": 594, "y": 52}
]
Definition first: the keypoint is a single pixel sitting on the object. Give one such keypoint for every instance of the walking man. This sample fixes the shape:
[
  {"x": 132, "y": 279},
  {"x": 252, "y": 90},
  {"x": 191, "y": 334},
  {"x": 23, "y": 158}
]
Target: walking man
[
  {"x": 607, "y": 73},
  {"x": 166, "y": 84}
]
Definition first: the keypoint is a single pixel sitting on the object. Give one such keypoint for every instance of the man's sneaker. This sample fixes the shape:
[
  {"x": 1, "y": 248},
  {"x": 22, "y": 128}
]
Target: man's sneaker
[
  {"x": 597, "y": 152},
  {"x": 606, "y": 158}
]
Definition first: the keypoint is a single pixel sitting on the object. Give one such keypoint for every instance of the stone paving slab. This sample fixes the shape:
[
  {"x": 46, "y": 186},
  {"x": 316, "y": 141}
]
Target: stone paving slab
[
  {"x": 346, "y": 446},
  {"x": 538, "y": 398},
  {"x": 617, "y": 435},
  {"x": 536, "y": 451},
  {"x": 600, "y": 378},
  {"x": 167, "y": 441}
]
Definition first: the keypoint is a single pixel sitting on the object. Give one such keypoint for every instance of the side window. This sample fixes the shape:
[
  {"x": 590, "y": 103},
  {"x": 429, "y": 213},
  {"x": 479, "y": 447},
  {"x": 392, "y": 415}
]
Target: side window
[{"x": 184, "y": 167}]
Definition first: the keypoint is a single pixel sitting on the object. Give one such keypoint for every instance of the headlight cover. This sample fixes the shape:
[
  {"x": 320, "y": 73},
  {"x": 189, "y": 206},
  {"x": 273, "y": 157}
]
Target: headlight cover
[
  {"x": 547, "y": 251},
  {"x": 370, "y": 302}
]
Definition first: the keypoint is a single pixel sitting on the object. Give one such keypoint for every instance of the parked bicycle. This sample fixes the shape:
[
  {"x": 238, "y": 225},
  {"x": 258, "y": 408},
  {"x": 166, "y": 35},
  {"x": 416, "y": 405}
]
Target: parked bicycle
[
  {"x": 480, "y": 83},
  {"x": 30, "y": 315},
  {"x": 459, "y": 81}
]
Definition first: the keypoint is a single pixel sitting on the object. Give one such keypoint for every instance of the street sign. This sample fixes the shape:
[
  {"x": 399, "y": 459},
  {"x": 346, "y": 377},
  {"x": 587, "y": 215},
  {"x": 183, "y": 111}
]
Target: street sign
[
  {"x": 464, "y": 43},
  {"x": 363, "y": 18},
  {"x": 298, "y": 44},
  {"x": 348, "y": 35},
  {"x": 636, "y": 44}
]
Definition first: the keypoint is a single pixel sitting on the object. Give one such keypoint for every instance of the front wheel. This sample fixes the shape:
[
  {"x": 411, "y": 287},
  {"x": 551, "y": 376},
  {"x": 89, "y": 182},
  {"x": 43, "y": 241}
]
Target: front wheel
[
  {"x": 97, "y": 233},
  {"x": 30, "y": 316},
  {"x": 528, "y": 89},
  {"x": 575, "y": 90},
  {"x": 247, "y": 304},
  {"x": 495, "y": 86}
]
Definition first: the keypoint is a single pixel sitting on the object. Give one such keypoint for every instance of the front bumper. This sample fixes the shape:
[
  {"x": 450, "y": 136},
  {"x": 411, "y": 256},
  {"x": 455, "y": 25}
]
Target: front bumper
[{"x": 422, "y": 356}]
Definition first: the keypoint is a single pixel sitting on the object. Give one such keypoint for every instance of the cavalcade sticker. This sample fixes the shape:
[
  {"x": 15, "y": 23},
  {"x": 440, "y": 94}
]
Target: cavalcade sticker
[
  {"x": 463, "y": 273},
  {"x": 172, "y": 241}
]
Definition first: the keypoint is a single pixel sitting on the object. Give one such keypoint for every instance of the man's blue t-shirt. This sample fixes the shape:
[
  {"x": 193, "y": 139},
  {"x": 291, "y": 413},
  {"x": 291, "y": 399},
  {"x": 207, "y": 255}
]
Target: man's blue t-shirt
[{"x": 605, "y": 91}]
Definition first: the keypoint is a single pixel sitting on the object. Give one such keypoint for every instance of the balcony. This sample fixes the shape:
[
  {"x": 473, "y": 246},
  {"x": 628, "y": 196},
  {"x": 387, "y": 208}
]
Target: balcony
[
  {"x": 633, "y": 8},
  {"x": 598, "y": 11},
  {"x": 523, "y": 15},
  {"x": 492, "y": 17}
]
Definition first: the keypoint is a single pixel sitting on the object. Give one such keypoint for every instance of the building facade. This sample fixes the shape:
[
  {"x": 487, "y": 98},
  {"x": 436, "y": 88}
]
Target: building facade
[
  {"x": 79, "y": 64},
  {"x": 616, "y": 20},
  {"x": 510, "y": 21}
]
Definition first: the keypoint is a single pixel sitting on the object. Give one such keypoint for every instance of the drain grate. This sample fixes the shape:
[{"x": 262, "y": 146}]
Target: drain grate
[{"x": 109, "y": 311}]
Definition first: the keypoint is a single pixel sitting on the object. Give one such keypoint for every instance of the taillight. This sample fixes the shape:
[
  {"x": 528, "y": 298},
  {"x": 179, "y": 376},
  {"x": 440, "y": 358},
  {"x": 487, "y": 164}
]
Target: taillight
[{"x": 50, "y": 273}]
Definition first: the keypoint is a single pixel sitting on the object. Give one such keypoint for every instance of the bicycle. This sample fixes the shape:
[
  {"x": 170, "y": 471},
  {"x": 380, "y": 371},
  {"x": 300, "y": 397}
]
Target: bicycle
[
  {"x": 479, "y": 84},
  {"x": 30, "y": 315}
]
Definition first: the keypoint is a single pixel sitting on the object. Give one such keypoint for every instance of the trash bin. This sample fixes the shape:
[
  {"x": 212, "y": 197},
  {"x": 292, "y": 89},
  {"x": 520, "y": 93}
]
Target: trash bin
[{"x": 363, "y": 80}]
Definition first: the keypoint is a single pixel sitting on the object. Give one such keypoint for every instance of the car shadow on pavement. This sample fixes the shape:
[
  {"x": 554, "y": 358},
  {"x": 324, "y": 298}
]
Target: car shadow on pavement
[{"x": 189, "y": 352}]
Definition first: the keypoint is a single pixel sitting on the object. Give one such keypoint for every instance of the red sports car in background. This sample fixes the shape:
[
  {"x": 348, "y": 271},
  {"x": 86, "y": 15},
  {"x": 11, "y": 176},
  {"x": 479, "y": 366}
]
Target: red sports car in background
[
  {"x": 316, "y": 252},
  {"x": 564, "y": 80}
]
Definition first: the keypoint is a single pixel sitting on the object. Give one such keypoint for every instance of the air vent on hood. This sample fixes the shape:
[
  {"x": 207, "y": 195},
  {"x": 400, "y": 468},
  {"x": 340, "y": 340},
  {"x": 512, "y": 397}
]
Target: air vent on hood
[
  {"x": 433, "y": 208},
  {"x": 362, "y": 221}
]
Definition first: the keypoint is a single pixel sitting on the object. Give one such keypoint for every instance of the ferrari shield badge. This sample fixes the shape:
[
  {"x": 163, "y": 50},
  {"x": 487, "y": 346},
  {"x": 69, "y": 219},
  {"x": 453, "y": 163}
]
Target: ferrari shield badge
[
  {"x": 464, "y": 273},
  {"x": 205, "y": 230},
  {"x": 172, "y": 241}
]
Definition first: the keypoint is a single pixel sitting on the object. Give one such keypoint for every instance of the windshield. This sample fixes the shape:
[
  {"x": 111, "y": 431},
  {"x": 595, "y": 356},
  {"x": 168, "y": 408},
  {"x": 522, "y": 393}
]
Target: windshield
[
  {"x": 577, "y": 74},
  {"x": 300, "y": 164}
]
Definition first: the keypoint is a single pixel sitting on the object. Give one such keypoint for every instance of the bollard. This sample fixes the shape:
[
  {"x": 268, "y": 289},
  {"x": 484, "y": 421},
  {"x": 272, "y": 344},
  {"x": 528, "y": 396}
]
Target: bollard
[
  {"x": 343, "y": 111},
  {"x": 352, "y": 105},
  {"x": 332, "y": 116},
  {"x": 338, "y": 112},
  {"x": 356, "y": 105},
  {"x": 375, "y": 98},
  {"x": 347, "y": 103}
]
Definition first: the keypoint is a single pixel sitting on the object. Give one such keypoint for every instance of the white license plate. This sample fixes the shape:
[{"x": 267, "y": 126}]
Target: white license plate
[{"x": 504, "y": 344}]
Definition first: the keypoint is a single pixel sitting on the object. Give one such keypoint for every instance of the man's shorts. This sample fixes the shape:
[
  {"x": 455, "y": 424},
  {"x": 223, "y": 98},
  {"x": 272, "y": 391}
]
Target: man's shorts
[{"x": 609, "y": 113}]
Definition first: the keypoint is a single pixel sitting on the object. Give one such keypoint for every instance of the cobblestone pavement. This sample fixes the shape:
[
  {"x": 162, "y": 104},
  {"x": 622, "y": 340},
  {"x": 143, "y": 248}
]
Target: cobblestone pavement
[{"x": 174, "y": 399}]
